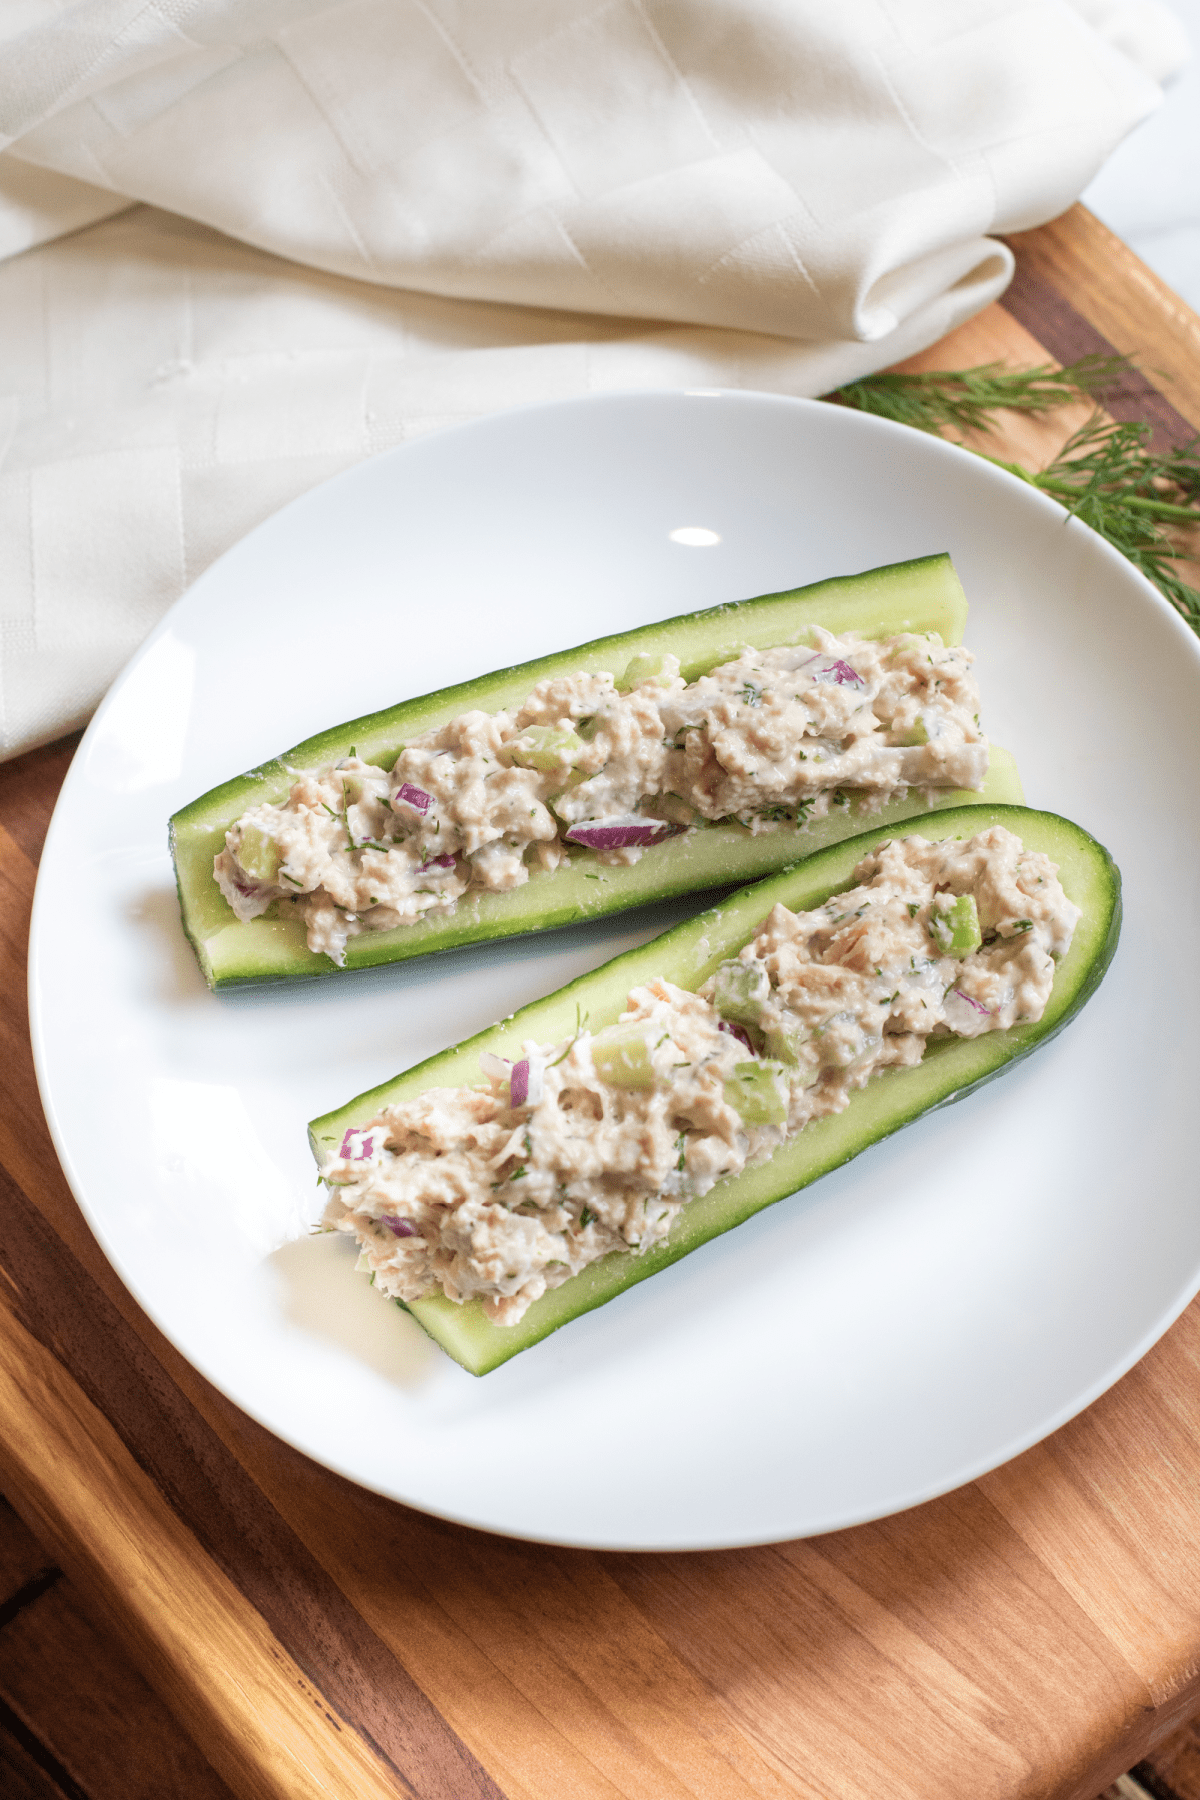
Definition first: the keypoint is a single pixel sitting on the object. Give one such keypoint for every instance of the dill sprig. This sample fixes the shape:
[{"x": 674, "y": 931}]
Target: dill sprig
[
  {"x": 1106, "y": 473},
  {"x": 966, "y": 399}
]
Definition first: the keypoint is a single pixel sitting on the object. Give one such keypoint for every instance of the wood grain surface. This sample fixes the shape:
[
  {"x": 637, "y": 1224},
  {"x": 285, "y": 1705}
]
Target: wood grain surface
[{"x": 1030, "y": 1637}]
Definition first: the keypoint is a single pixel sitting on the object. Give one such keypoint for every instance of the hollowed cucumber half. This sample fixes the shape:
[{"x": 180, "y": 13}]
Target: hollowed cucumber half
[
  {"x": 687, "y": 955},
  {"x": 924, "y": 595}
]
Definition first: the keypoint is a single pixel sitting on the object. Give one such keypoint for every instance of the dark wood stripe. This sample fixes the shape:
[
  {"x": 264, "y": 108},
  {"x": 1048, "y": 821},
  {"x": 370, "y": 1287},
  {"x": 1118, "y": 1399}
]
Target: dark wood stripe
[
  {"x": 15, "y": 1727},
  {"x": 1148, "y": 1778},
  {"x": 1066, "y": 335},
  {"x": 240, "y": 1530},
  {"x": 25, "y": 1596}
]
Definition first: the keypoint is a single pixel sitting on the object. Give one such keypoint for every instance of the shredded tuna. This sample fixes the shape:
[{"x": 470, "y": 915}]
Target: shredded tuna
[
  {"x": 498, "y": 1193},
  {"x": 771, "y": 739}
]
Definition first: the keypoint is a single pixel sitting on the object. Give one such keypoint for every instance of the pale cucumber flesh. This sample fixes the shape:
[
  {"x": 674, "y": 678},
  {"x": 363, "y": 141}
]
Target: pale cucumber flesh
[
  {"x": 924, "y": 595},
  {"x": 686, "y": 956}
]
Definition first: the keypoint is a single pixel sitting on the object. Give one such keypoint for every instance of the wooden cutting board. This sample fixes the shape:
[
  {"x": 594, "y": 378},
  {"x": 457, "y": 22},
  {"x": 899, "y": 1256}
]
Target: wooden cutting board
[{"x": 1026, "y": 1638}]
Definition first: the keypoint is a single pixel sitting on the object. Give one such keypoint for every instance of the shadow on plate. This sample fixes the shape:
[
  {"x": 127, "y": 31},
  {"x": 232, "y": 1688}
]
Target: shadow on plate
[
  {"x": 176, "y": 973},
  {"x": 324, "y": 1295}
]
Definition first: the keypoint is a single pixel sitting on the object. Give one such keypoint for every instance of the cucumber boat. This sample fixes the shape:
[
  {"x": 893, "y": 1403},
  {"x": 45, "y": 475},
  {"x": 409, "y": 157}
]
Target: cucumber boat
[
  {"x": 686, "y": 956},
  {"x": 920, "y": 596}
]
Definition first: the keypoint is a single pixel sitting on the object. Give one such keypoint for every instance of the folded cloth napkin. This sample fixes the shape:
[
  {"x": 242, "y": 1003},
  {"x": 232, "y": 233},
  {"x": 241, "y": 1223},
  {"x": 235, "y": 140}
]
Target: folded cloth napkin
[{"x": 246, "y": 244}]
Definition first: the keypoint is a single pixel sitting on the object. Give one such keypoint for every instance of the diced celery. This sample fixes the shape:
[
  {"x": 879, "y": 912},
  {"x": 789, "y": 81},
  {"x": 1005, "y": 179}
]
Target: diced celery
[
  {"x": 641, "y": 668},
  {"x": 546, "y": 747},
  {"x": 915, "y": 737},
  {"x": 954, "y": 925},
  {"x": 670, "y": 806},
  {"x": 622, "y": 1058},
  {"x": 924, "y": 641},
  {"x": 757, "y": 1093},
  {"x": 740, "y": 991},
  {"x": 785, "y": 1042},
  {"x": 841, "y": 1041},
  {"x": 258, "y": 854}
]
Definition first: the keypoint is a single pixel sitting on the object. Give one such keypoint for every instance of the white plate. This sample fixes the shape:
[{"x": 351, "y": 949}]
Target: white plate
[{"x": 914, "y": 1319}]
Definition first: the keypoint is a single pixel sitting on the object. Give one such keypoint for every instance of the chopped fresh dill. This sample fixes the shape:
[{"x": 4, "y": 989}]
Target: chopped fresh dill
[{"x": 587, "y": 1217}]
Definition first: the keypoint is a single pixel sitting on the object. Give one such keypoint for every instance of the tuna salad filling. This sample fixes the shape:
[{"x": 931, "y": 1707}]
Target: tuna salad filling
[
  {"x": 770, "y": 739},
  {"x": 591, "y": 1145}
]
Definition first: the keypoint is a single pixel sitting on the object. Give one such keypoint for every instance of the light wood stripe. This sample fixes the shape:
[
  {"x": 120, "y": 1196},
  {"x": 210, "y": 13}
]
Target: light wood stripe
[
  {"x": 271, "y": 1738},
  {"x": 240, "y": 1534}
]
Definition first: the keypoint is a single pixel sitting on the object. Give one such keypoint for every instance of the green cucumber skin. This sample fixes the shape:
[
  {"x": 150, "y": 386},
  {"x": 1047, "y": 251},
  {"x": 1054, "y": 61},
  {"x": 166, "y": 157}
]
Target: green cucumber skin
[
  {"x": 709, "y": 857},
  {"x": 922, "y": 595},
  {"x": 687, "y": 955}
]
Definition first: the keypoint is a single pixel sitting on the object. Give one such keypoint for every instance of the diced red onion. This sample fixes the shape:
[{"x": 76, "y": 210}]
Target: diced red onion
[
  {"x": 835, "y": 669},
  {"x": 398, "y": 1227},
  {"x": 987, "y": 1011},
  {"x": 518, "y": 1083},
  {"x": 357, "y": 1146},
  {"x": 408, "y": 795},
  {"x": 436, "y": 862},
  {"x": 621, "y": 834},
  {"x": 526, "y": 1084},
  {"x": 739, "y": 1032}
]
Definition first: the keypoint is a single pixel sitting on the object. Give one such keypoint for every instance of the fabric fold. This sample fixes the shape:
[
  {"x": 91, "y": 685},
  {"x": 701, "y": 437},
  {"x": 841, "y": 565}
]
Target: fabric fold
[{"x": 357, "y": 220}]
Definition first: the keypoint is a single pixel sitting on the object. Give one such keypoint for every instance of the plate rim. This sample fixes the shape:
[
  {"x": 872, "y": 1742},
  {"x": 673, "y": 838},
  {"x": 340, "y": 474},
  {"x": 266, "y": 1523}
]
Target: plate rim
[{"x": 1019, "y": 491}]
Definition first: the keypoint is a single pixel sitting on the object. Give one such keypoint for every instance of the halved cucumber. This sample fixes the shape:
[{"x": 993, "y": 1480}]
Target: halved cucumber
[
  {"x": 924, "y": 595},
  {"x": 686, "y": 956}
]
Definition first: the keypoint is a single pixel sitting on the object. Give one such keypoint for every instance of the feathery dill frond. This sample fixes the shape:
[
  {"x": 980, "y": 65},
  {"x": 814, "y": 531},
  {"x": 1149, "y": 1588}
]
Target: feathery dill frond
[
  {"x": 1105, "y": 474},
  {"x": 965, "y": 399}
]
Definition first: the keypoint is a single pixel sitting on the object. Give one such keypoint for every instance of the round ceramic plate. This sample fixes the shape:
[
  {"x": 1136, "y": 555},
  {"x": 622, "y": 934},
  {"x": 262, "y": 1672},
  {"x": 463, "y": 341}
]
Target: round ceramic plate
[{"x": 914, "y": 1319}]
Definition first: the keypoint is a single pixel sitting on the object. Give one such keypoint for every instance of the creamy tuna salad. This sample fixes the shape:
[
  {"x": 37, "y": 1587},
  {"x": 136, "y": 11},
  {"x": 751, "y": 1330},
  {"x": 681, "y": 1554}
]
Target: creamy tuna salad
[
  {"x": 771, "y": 739},
  {"x": 503, "y": 1190}
]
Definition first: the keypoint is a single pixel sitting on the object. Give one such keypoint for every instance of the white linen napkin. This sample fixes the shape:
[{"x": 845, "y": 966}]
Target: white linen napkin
[{"x": 247, "y": 244}]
